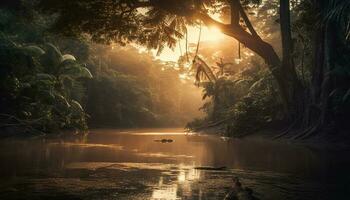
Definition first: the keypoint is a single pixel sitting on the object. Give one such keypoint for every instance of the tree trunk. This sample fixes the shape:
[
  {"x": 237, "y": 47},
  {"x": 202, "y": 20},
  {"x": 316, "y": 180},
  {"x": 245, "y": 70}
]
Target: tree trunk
[
  {"x": 284, "y": 72},
  {"x": 329, "y": 51},
  {"x": 295, "y": 101},
  {"x": 286, "y": 35}
]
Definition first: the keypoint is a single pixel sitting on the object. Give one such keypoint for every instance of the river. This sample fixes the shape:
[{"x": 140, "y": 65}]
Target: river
[{"x": 134, "y": 164}]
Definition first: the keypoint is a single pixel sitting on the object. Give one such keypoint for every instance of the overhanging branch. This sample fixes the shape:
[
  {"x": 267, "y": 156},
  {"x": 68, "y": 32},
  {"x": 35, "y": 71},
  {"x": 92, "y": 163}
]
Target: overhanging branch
[
  {"x": 247, "y": 21},
  {"x": 250, "y": 39}
]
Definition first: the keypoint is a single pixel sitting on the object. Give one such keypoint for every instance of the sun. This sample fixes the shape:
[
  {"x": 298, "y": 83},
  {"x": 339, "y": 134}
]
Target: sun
[
  {"x": 212, "y": 33},
  {"x": 208, "y": 34}
]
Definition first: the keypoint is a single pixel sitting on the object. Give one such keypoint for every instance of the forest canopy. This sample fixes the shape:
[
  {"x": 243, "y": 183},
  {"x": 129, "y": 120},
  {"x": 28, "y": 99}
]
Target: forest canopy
[{"x": 291, "y": 68}]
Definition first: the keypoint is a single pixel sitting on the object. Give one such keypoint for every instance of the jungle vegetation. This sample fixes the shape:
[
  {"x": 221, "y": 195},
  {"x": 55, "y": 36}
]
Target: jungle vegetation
[
  {"x": 51, "y": 83},
  {"x": 296, "y": 75}
]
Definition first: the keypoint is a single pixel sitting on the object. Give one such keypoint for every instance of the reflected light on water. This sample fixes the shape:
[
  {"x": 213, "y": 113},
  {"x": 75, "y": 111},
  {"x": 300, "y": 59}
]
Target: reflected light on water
[
  {"x": 165, "y": 192},
  {"x": 131, "y": 166},
  {"x": 185, "y": 179},
  {"x": 86, "y": 145},
  {"x": 181, "y": 177},
  {"x": 193, "y": 174},
  {"x": 158, "y": 133},
  {"x": 169, "y": 193}
]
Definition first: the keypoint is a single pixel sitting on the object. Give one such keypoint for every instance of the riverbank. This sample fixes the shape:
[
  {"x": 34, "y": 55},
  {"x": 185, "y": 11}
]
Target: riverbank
[{"x": 279, "y": 135}]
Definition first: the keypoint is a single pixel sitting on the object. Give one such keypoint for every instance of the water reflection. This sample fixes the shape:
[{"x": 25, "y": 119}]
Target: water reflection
[
  {"x": 165, "y": 191},
  {"x": 110, "y": 164},
  {"x": 171, "y": 191}
]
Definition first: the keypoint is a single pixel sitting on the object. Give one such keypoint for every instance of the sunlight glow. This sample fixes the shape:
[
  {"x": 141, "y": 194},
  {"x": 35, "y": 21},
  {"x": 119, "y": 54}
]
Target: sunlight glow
[
  {"x": 183, "y": 76},
  {"x": 212, "y": 34},
  {"x": 169, "y": 192},
  {"x": 182, "y": 176},
  {"x": 237, "y": 60},
  {"x": 209, "y": 34},
  {"x": 185, "y": 178}
]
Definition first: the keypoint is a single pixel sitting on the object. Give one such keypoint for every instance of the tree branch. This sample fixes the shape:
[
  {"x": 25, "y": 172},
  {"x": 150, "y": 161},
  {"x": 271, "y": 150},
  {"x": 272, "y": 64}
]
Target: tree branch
[
  {"x": 250, "y": 40},
  {"x": 234, "y": 5},
  {"x": 254, "y": 43},
  {"x": 247, "y": 21}
]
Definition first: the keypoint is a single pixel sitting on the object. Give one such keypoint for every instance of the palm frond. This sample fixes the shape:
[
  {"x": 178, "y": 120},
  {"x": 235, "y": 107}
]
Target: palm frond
[
  {"x": 202, "y": 70},
  {"x": 339, "y": 12}
]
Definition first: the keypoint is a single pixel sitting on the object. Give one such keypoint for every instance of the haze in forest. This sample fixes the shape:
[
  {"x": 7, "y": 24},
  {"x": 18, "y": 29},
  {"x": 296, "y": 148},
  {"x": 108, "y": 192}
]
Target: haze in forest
[{"x": 175, "y": 99}]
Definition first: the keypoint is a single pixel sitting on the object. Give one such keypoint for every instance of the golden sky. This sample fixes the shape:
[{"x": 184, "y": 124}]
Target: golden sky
[{"x": 212, "y": 34}]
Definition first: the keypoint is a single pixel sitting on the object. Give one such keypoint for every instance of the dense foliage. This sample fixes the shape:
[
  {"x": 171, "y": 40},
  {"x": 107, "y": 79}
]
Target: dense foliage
[
  {"x": 44, "y": 90},
  {"x": 322, "y": 74},
  {"x": 38, "y": 83},
  {"x": 292, "y": 67},
  {"x": 241, "y": 102},
  {"x": 137, "y": 92}
]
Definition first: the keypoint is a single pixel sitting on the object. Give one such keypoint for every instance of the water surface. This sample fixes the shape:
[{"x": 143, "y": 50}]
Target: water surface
[{"x": 130, "y": 164}]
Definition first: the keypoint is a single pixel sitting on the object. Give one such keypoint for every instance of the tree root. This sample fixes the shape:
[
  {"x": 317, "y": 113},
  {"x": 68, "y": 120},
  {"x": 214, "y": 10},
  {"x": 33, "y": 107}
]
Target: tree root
[
  {"x": 307, "y": 133},
  {"x": 287, "y": 131},
  {"x": 312, "y": 132},
  {"x": 302, "y": 134},
  {"x": 16, "y": 122},
  {"x": 212, "y": 124}
]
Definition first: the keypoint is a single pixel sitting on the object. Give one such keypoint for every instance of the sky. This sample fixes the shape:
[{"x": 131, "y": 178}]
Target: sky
[{"x": 208, "y": 34}]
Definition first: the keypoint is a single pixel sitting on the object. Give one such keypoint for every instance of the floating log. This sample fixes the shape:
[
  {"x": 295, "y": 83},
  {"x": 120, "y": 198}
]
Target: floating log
[{"x": 210, "y": 168}]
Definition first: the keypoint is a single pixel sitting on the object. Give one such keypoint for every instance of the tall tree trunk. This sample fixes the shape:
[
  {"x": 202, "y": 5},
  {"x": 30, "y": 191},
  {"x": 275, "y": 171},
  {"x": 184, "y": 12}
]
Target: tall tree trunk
[
  {"x": 313, "y": 110},
  {"x": 295, "y": 101},
  {"x": 329, "y": 51},
  {"x": 286, "y": 35},
  {"x": 327, "y": 85}
]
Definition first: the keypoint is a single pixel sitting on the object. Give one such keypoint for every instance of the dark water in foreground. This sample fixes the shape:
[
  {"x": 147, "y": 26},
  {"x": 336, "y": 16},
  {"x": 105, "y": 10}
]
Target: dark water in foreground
[{"x": 111, "y": 164}]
